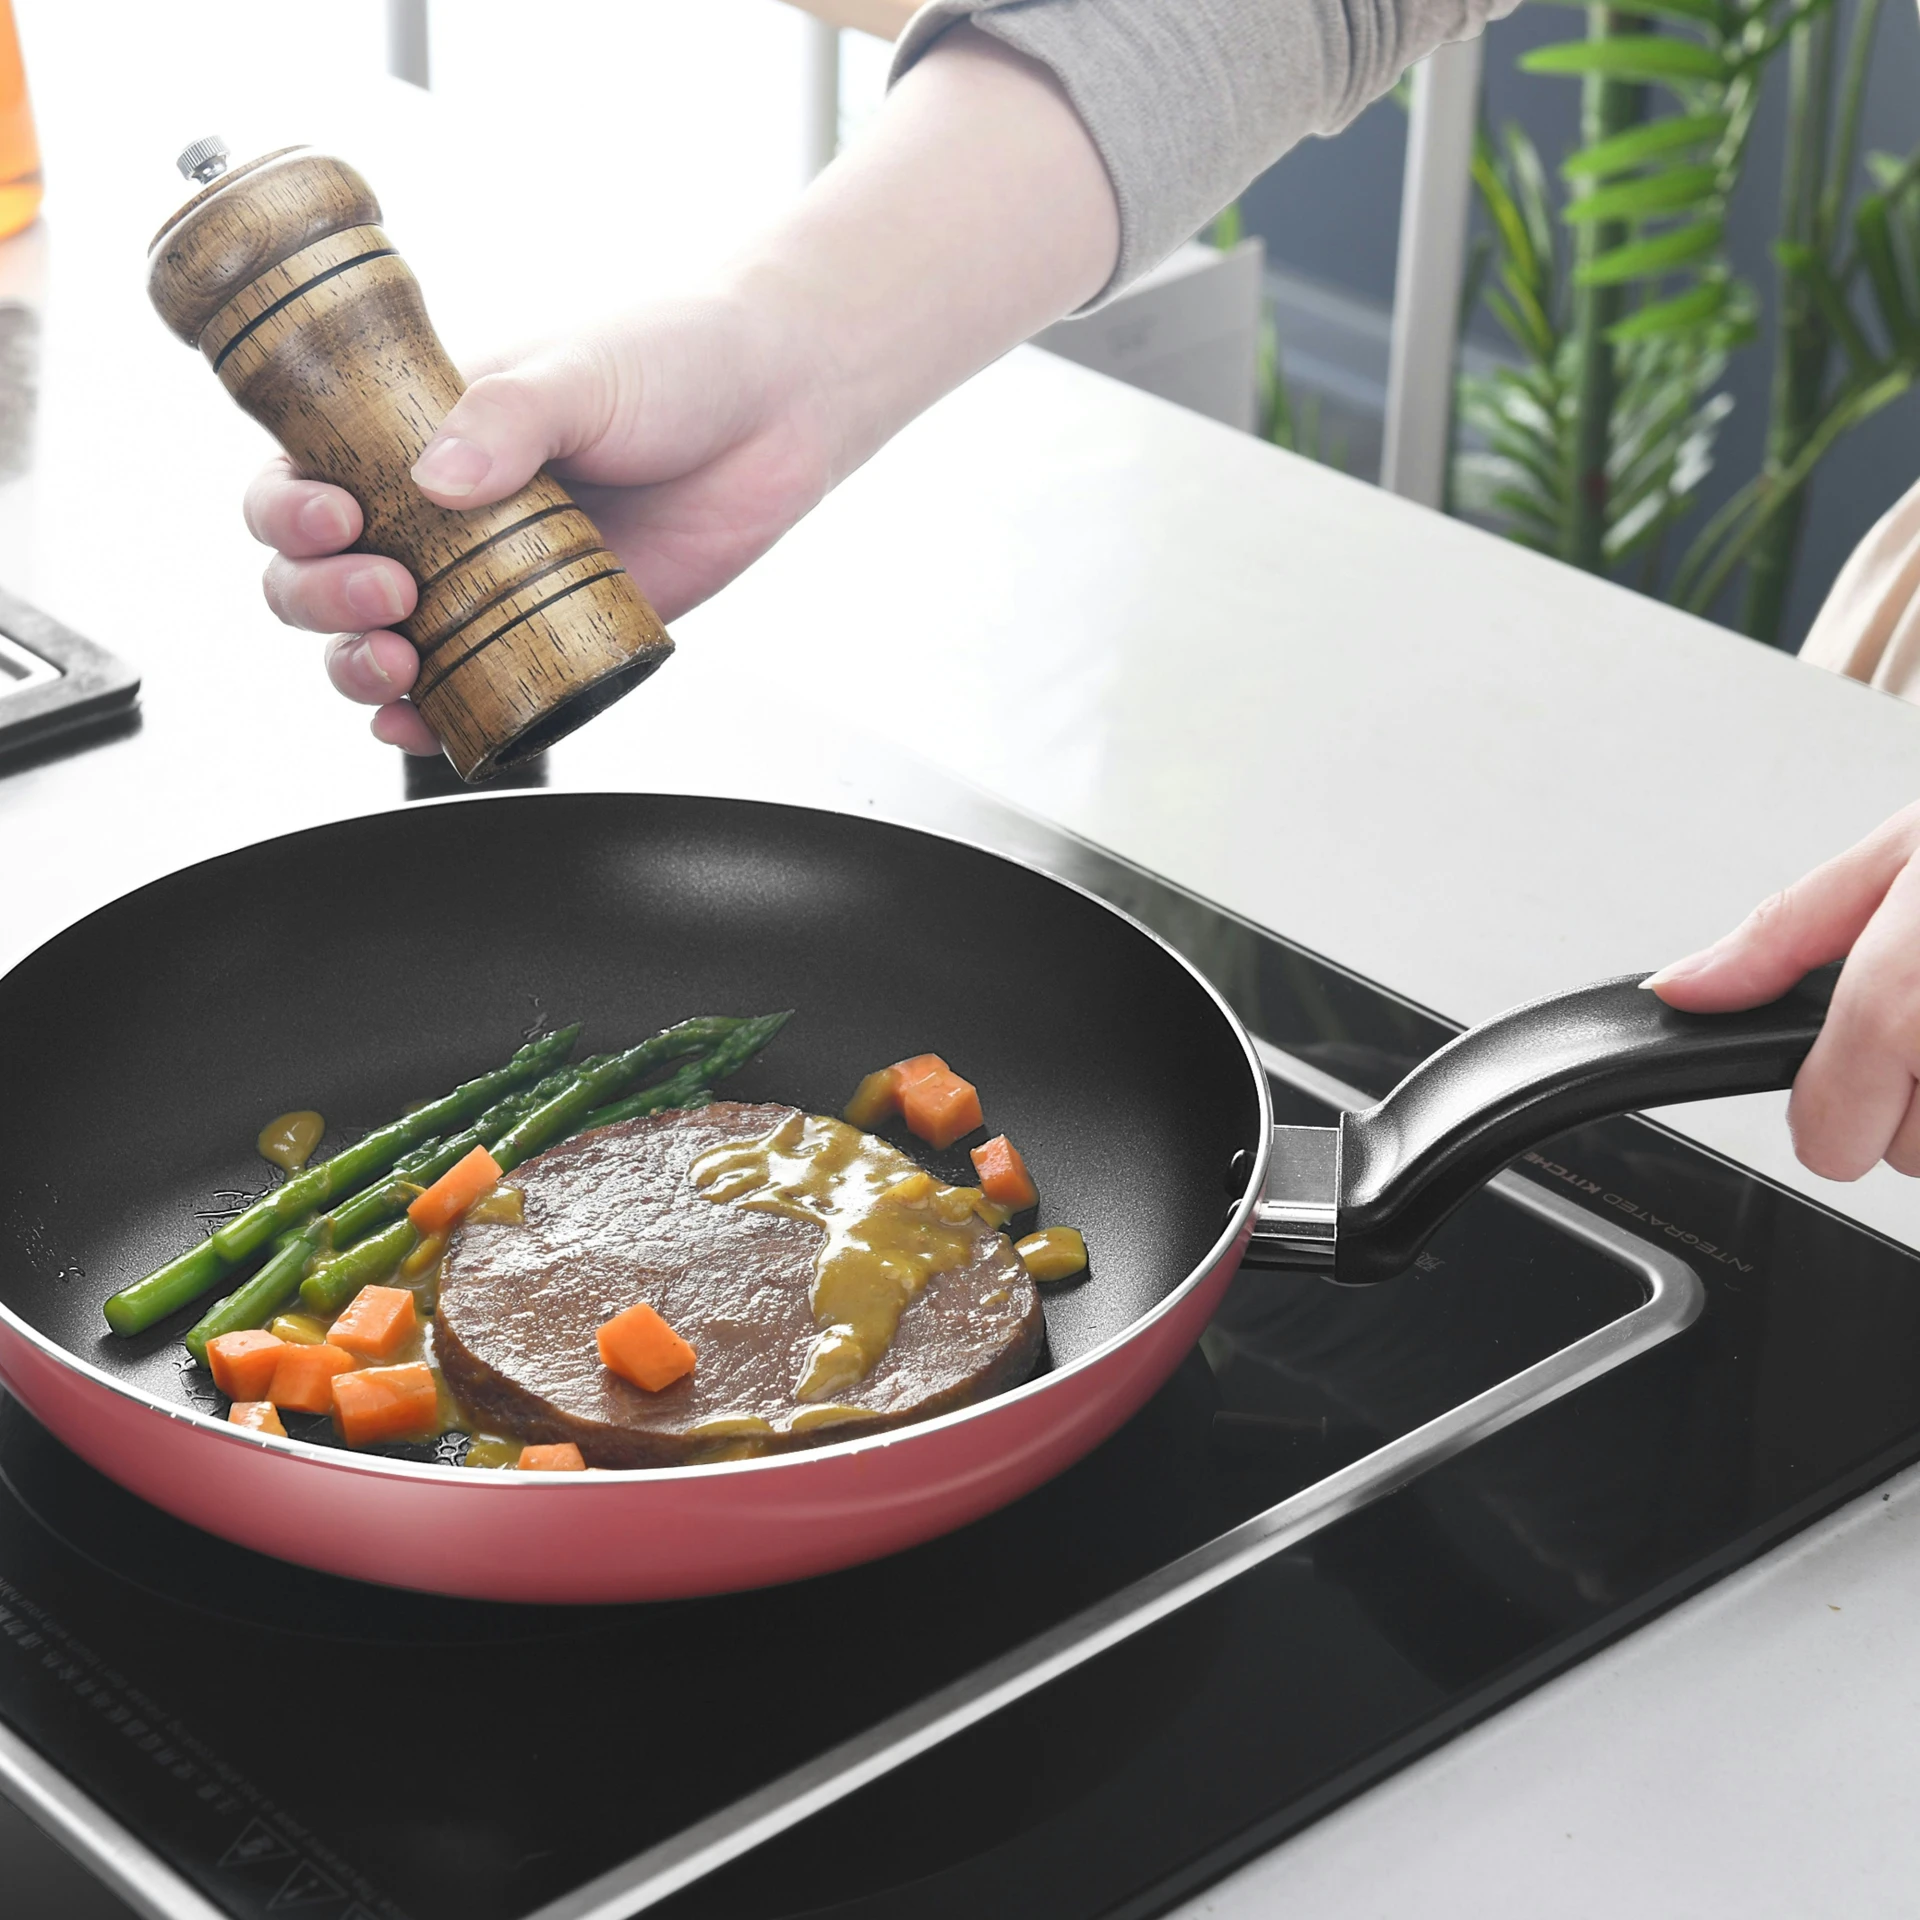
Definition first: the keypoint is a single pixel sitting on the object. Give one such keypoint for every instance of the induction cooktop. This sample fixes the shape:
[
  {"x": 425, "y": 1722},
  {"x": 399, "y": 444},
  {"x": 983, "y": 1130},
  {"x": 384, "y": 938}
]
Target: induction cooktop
[{"x": 1352, "y": 1523}]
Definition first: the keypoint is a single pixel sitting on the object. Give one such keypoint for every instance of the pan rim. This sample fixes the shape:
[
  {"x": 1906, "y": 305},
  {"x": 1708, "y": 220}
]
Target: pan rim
[{"x": 345, "y": 1460}]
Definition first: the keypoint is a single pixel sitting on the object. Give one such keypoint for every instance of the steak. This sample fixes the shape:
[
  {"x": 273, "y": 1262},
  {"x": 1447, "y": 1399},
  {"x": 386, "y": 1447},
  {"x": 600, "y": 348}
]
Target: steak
[{"x": 612, "y": 1218}]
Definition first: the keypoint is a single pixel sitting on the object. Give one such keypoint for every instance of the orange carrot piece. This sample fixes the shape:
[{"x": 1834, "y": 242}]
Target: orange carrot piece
[
  {"x": 303, "y": 1381},
  {"x": 639, "y": 1346},
  {"x": 257, "y": 1416},
  {"x": 454, "y": 1192},
  {"x": 385, "y": 1403},
  {"x": 243, "y": 1363},
  {"x": 940, "y": 1107},
  {"x": 918, "y": 1067},
  {"x": 562, "y": 1457},
  {"x": 376, "y": 1321},
  {"x": 1003, "y": 1174}
]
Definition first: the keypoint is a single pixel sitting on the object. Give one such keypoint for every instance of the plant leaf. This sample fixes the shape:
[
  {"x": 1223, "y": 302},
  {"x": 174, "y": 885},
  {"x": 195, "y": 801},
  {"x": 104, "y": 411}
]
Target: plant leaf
[
  {"x": 1681, "y": 314},
  {"x": 1535, "y": 201},
  {"x": 1638, "y": 145},
  {"x": 1806, "y": 265},
  {"x": 1883, "y": 271},
  {"x": 1639, "y": 259},
  {"x": 1666, "y": 191},
  {"x": 1630, "y": 56}
]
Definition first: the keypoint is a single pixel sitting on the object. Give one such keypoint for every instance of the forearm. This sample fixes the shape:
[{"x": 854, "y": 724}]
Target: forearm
[
  {"x": 973, "y": 212},
  {"x": 1186, "y": 101}
]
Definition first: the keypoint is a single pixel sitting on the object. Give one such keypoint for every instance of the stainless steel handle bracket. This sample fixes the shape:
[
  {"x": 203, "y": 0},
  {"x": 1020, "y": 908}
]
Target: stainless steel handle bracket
[{"x": 1295, "y": 1221}]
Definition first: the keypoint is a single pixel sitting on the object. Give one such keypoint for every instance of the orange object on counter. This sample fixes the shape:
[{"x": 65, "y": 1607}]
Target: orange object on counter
[
  {"x": 257, "y": 1416},
  {"x": 436, "y": 1210},
  {"x": 303, "y": 1380},
  {"x": 562, "y": 1457},
  {"x": 376, "y": 1322},
  {"x": 639, "y": 1346},
  {"x": 1003, "y": 1174},
  {"x": 20, "y": 188},
  {"x": 386, "y": 1403},
  {"x": 242, "y": 1364}
]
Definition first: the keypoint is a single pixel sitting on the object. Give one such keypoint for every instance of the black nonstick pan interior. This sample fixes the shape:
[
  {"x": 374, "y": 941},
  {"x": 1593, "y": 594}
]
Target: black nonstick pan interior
[{"x": 359, "y": 967}]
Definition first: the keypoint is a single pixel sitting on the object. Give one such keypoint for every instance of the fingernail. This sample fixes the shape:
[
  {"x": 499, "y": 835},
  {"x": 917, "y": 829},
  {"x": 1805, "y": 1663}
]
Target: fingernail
[
  {"x": 324, "y": 519},
  {"x": 451, "y": 465},
  {"x": 374, "y": 596},
  {"x": 364, "y": 660},
  {"x": 1677, "y": 970}
]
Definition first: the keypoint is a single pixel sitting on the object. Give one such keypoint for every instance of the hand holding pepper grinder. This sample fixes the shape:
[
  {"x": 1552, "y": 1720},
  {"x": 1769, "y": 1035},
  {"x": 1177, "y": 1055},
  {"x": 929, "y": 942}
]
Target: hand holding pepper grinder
[{"x": 279, "y": 272}]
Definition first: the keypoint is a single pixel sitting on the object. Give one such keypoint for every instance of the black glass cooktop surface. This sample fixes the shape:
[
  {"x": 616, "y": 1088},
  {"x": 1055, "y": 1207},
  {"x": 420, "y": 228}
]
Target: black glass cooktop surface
[{"x": 281, "y": 1741}]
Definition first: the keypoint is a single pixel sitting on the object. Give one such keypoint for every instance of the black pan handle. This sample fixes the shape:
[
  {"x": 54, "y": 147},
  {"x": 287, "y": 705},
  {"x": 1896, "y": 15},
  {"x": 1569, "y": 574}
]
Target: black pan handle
[{"x": 1527, "y": 1075}]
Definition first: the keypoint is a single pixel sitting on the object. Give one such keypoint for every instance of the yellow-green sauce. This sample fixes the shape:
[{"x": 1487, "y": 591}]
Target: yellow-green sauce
[
  {"x": 890, "y": 1228},
  {"x": 288, "y": 1139}
]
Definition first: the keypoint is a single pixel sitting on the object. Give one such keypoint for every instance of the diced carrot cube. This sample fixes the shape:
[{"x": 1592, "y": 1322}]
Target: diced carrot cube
[
  {"x": 639, "y": 1346},
  {"x": 562, "y": 1457},
  {"x": 941, "y": 1107},
  {"x": 454, "y": 1192},
  {"x": 386, "y": 1403},
  {"x": 303, "y": 1381},
  {"x": 918, "y": 1067},
  {"x": 243, "y": 1363},
  {"x": 376, "y": 1321},
  {"x": 1003, "y": 1174},
  {"x": 257, "y": 1416}
]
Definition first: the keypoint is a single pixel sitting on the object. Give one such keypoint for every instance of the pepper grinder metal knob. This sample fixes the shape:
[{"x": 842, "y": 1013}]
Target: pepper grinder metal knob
[
  {"x": 279, "y": 272},
  {"x": 205, "y": 160}
]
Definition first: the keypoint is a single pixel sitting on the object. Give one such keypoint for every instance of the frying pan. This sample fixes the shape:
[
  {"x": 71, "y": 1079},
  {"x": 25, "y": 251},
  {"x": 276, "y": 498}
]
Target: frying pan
[{"x": 360, "y": 966}]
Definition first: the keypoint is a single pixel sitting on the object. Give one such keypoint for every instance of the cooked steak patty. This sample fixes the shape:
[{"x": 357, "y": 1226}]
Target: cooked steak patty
[{"x": 613, "y": 1218}]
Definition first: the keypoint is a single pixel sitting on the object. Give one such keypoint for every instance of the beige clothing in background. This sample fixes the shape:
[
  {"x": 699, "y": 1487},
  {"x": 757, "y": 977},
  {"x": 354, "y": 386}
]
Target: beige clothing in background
[{"x": 1869, "y": 626}]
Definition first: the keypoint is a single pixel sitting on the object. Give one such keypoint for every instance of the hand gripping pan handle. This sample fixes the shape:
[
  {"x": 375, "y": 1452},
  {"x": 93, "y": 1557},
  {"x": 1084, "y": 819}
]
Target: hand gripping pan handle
[{"x": 1360, "y": 1201}]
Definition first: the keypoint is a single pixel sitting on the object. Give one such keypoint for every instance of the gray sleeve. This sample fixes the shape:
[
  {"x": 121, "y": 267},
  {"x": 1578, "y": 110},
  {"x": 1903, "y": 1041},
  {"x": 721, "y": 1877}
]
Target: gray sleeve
[{"x": 1188, "y": 100}]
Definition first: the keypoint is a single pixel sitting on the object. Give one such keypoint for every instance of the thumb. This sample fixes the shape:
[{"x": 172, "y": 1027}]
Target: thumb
[
  {"x": 1815, "y": 920},
  {"x": 507, "y": 425}
]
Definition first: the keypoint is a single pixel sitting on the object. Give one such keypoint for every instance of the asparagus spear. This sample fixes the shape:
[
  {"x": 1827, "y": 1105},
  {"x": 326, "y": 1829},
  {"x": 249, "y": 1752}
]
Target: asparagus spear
[
  {"x": 733, "y": 1043},
  {"x": 332, "y": 1284},
  {"x": 133, "y": 1309},
  {"x": 428, "y": 1161},
  {"x": 379, "y": 1150},
  {"x": 514, "y": 1129},
  {"x": 355, "y": 1228},
  {"x": 259, "y": 1299},
  {"x": 690, "y": 1085},
  {"x": 352, "y": 1228}
]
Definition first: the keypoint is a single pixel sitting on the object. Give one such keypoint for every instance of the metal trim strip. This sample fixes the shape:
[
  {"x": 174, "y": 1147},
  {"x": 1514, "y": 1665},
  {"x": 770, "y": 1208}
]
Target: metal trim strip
[{"x": 87, "y": 1831}]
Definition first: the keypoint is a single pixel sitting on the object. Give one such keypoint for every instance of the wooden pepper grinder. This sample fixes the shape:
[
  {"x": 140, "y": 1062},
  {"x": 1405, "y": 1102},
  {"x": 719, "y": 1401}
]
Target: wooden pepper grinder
[{"x": 279, "y": 272}]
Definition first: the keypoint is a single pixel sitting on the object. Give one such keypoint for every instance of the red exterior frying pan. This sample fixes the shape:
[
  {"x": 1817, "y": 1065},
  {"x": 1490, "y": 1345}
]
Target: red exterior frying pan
[{"x": 358, "y": 967}]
